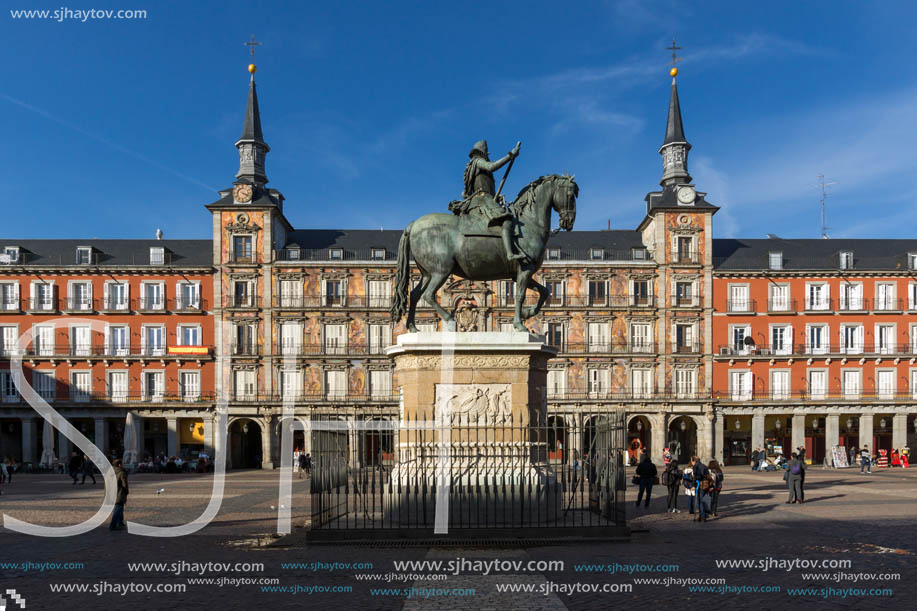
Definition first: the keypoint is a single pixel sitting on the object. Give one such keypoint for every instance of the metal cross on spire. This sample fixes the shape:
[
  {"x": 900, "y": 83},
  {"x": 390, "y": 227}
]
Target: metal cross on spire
[
  {"x": 251, "y": 44},
  {"x": 674, "y": 49}
]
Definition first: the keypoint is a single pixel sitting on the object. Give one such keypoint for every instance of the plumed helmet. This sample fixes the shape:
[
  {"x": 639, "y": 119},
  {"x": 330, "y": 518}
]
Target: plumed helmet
[{"x": 480, "y": 146}]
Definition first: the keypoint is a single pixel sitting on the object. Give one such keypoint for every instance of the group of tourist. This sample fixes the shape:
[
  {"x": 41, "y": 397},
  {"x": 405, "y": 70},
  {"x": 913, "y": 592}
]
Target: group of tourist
[
  {"x": 701, "y": 483},
  {"x": 175, "y": 464},
  {"x": 80, "y": 464},
  {"x": 7, "y": 467}
]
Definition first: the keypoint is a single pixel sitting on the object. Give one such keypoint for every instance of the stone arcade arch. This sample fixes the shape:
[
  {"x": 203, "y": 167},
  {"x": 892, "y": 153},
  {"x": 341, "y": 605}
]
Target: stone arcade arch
[
  {"x": 682, "y": 438},
  {"x": 246, "y": 444}
]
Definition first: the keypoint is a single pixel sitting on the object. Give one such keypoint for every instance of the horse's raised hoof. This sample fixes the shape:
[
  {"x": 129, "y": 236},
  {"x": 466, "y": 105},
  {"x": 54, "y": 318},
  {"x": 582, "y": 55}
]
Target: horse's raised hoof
[{"x": 412, "y": 329}]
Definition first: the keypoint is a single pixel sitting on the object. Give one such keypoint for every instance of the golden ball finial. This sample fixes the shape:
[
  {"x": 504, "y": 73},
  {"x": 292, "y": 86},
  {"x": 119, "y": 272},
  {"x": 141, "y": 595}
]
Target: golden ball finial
[
  {"x": 673, "y": 72},
  {"x": 252, "y": 68}
]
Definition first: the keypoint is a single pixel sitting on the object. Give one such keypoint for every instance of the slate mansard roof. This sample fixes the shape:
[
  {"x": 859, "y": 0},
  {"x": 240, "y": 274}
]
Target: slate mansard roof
[
  {"x": 357, "y": 244},
  {"x": 112, "y": 253},
  {"x": 812, "y": 254}
]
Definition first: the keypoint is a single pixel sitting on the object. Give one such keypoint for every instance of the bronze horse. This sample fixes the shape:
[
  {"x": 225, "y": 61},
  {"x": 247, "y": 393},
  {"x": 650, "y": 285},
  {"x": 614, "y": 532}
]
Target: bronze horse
[{"x": 445, "y": 244}]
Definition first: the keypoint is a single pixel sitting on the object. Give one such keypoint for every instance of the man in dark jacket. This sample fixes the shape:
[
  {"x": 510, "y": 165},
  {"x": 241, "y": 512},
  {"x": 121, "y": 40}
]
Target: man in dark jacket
[
  {"x": 672, "y": 479},
  {"x": 76, "y": 463},
  {"x": 87, "y": 470},
  {"x": 646, "y": 471},
  {"x": 117, "y": 516},
  {"x": 793, "y": 475}
]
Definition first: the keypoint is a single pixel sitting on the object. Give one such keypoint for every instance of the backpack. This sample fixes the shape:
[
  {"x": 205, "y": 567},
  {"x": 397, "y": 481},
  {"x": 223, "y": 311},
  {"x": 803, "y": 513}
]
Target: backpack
[
  {"x": 668, "y": 477},
  {"x": 796, "y": 470}
]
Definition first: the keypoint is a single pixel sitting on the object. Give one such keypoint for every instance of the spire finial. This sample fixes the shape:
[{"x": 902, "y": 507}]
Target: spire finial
[
  {"x": 251, "y": 44},
  {"x": 675, "y": 59}
]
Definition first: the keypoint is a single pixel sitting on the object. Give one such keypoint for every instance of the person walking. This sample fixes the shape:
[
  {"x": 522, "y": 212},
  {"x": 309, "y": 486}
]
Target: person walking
[
  {"x": 308, "y": 463},
  {"x": 4, "y": 471},
  {"x": 793, "y": 477},
  {"x": 704, "y": 487},
  {"x": 117, "y": 516},
  {"x": 671, "y": 479},
  {"x": 865, "y": 460},
  {"x": 75, "y": 465},
  {"x": 716, "y": 486},
  {"x": 905, "y": 457},
  {"x": 687, "y": 480},
  {"x": 646, "y": 471},
  {"x": 754, "y": 460},
  {"x": 302, "y": 464},
  {"x": 87, "y": 470}
]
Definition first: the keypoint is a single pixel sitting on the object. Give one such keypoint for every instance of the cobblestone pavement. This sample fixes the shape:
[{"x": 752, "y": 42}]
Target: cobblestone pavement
[{"x": 867, "y": 520}]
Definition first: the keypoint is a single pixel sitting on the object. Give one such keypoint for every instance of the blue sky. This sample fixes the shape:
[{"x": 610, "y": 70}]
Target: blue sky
[{"x": 114, "y": 128}]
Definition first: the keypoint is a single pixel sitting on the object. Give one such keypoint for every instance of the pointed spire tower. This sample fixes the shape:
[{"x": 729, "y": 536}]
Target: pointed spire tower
[
  {"x": 675, "y": 147},
  {"x": 252, "y": 147}
]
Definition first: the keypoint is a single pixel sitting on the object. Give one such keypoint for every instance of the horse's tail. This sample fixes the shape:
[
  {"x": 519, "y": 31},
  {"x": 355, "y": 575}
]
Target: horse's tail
[{"x": 402, "y": 276}]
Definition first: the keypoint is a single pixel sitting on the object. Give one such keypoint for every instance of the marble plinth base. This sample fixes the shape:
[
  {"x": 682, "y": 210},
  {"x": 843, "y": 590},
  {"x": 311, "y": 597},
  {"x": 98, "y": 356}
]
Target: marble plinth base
[{"x": 473, "y": 418}]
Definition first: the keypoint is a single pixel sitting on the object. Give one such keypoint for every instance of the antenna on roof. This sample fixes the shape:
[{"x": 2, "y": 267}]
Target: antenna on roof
[
  {"x": 159, "y": 234},
  {"x": 609, "y": 224},
  {"x": 824, "y": 192}
]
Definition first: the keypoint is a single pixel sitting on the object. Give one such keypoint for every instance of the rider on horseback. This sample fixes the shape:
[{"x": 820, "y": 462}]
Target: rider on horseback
[{"x": 480, "y": 193}]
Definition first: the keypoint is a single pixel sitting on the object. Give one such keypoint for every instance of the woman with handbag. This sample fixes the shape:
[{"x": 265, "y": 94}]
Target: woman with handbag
[
  {"x": 646, "y": 472},
  {"x": 671, "y": 479}
]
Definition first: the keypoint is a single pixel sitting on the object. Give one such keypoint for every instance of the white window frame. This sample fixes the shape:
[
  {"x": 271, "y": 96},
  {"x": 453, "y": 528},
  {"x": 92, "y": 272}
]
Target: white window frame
[
  {"x": 44, "y": 381},
  {"x": 192, "y": 391},
  {"x": 849, "y": 302},
  {"x": 82, "y": 251},
  {"x": 9, "y": 340},
  {"x": 108, "y": 296},
  {"x": 8, "y": 392},
  {"x": 557, "y": 382},
  {"x": 110, "y": 348},
  {"x": 741, "y": 384},
  {"x": 781, "y": 303},
  {"x": 787, "y": 347},
  {"x": 44, "y": 340},
  {"x": 329, "y": 299},
  {"x": 291, "y": 338},
  {"x": 641, "y": 341},
  {"x": 120, "y": 394},
  {"x": 851, "y": 383},
  {"x": 291, "y": 293},
  {"x": 740, "y": 347},
  {"x": 598, "y": 336},
  {"x": 153, "y": 304},
  {"x": 340, "y": 379},
  {"x": 380, "y": 383},
  {"x": 380, "y": 337},
  {"x": 845, "y": 260},
  {"x": 157, "y": 255},
  {"x": 825, "y": 337},
  {"x": 691, "y": 346},
  {"x": 603, "y": 288},
  {"x": 775, "y": 260},
  {"x": 146, "y": 348},
  {"x": 815, "y": 391},
  {"x": 244, "y": 384},
  {"x": 193, "y": 301},
  {"x": 335, "y": 338},
  {"x": 380, "y": 293},
  {"x": 158, "y": 392},
  {"x": 886, "y": 342},
  {"x": 685, "y": 383},
  {"x": 42, "y": 303},
  {"x": 9, "y": 298},
  {"x": 776, "y": 391},
  {"x": 599, "y": 381},
  {"x": 858, "y": 339},
  {"x": 886, "y": 383},
  {"x": 822, "y": 302},
  {"x": 80, "y": 346},
  {"x": 291, "y": 384},
  {"x": 642, "y": 382},
  {"x": 80, "y": 393},
  {"x": 886, "y": 293},
  {"x": 180, "y": 335},
  {"x": 739, "y": 298}
]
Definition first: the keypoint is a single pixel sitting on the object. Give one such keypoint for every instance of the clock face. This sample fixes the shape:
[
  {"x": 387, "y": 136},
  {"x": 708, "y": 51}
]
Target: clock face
[
  {"x": 242, "y": 193},
  {"x": 686, "y": 195}
]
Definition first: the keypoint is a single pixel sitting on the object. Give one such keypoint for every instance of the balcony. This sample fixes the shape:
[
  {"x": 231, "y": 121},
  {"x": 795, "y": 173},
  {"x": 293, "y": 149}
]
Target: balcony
[
  {"x": 741, "y": 306},
  {"x": 855, "y": 304},
  {"x": 149, "y": 305},
  {"x": 244, "y": 257},
  {"x": 79, "y": 305},
  {"x": 113, "y": 351},
  {"x": 687, "y": 348},
  {"x": 816, "y": 306},
  {"x": 605, "y": 348},
  {"x": 887, "y": 305},
  {"x": 42, "y": 305},
  {"x": 686, "y": 258},
  {"x": 187, "y": 306},
  {"x": 685, "y": 301},
  {"x": 299, "y": 302},
  {"x": 828, "y": 395},
  {"x": 867, "y": 350},
  {"x": 245, "y": 349},
  {"x": 781, "y": 306},
  {"x": 327, "y": 397},
  {"x": 12, "y": 306},
  {"x": 112, "y": 397},
  {"x": 242, "y": 301}
]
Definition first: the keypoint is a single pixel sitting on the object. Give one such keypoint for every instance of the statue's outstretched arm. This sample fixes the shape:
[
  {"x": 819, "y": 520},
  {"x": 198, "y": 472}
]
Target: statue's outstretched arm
[{"x": 493, "y": 166}]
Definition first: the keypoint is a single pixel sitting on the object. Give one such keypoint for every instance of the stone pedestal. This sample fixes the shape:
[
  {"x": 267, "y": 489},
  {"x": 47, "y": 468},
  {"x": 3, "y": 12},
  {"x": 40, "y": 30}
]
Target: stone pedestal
[{"x": 473, "y": 419}]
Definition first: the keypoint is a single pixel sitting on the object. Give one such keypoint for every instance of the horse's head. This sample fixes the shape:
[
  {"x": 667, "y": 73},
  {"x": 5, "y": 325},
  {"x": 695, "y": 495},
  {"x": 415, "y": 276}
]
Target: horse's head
[{"x": 564, "y": 200}]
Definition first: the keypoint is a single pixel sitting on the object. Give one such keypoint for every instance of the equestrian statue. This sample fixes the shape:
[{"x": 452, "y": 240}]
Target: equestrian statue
[{"x": 484, "y": 238}]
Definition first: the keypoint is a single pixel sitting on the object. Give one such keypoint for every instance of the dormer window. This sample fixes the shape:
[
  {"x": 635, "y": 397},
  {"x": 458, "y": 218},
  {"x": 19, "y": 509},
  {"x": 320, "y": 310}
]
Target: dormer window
[
  {"x": 553, "y": 254},
  {"x": 912, "y": 260},
  {"x": 597, "y": 254},
  {"x": 293, "y": 254},
  {"x": 377, "y": 254},
  {"x": 638, "y": 254},
  {"x": 157, "y": 255},
  {"x": 775, "y": 260},
  {"x": 9, "y": 254},
  {"x": 336, "y": 254},
  {"x": 846, "y": 260},
  {"x": 83, "y": 255}
]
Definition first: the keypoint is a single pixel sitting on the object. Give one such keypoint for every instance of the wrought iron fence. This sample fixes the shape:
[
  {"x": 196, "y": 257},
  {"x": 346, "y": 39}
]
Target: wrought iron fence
[{"x": 406, "y": 478}]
